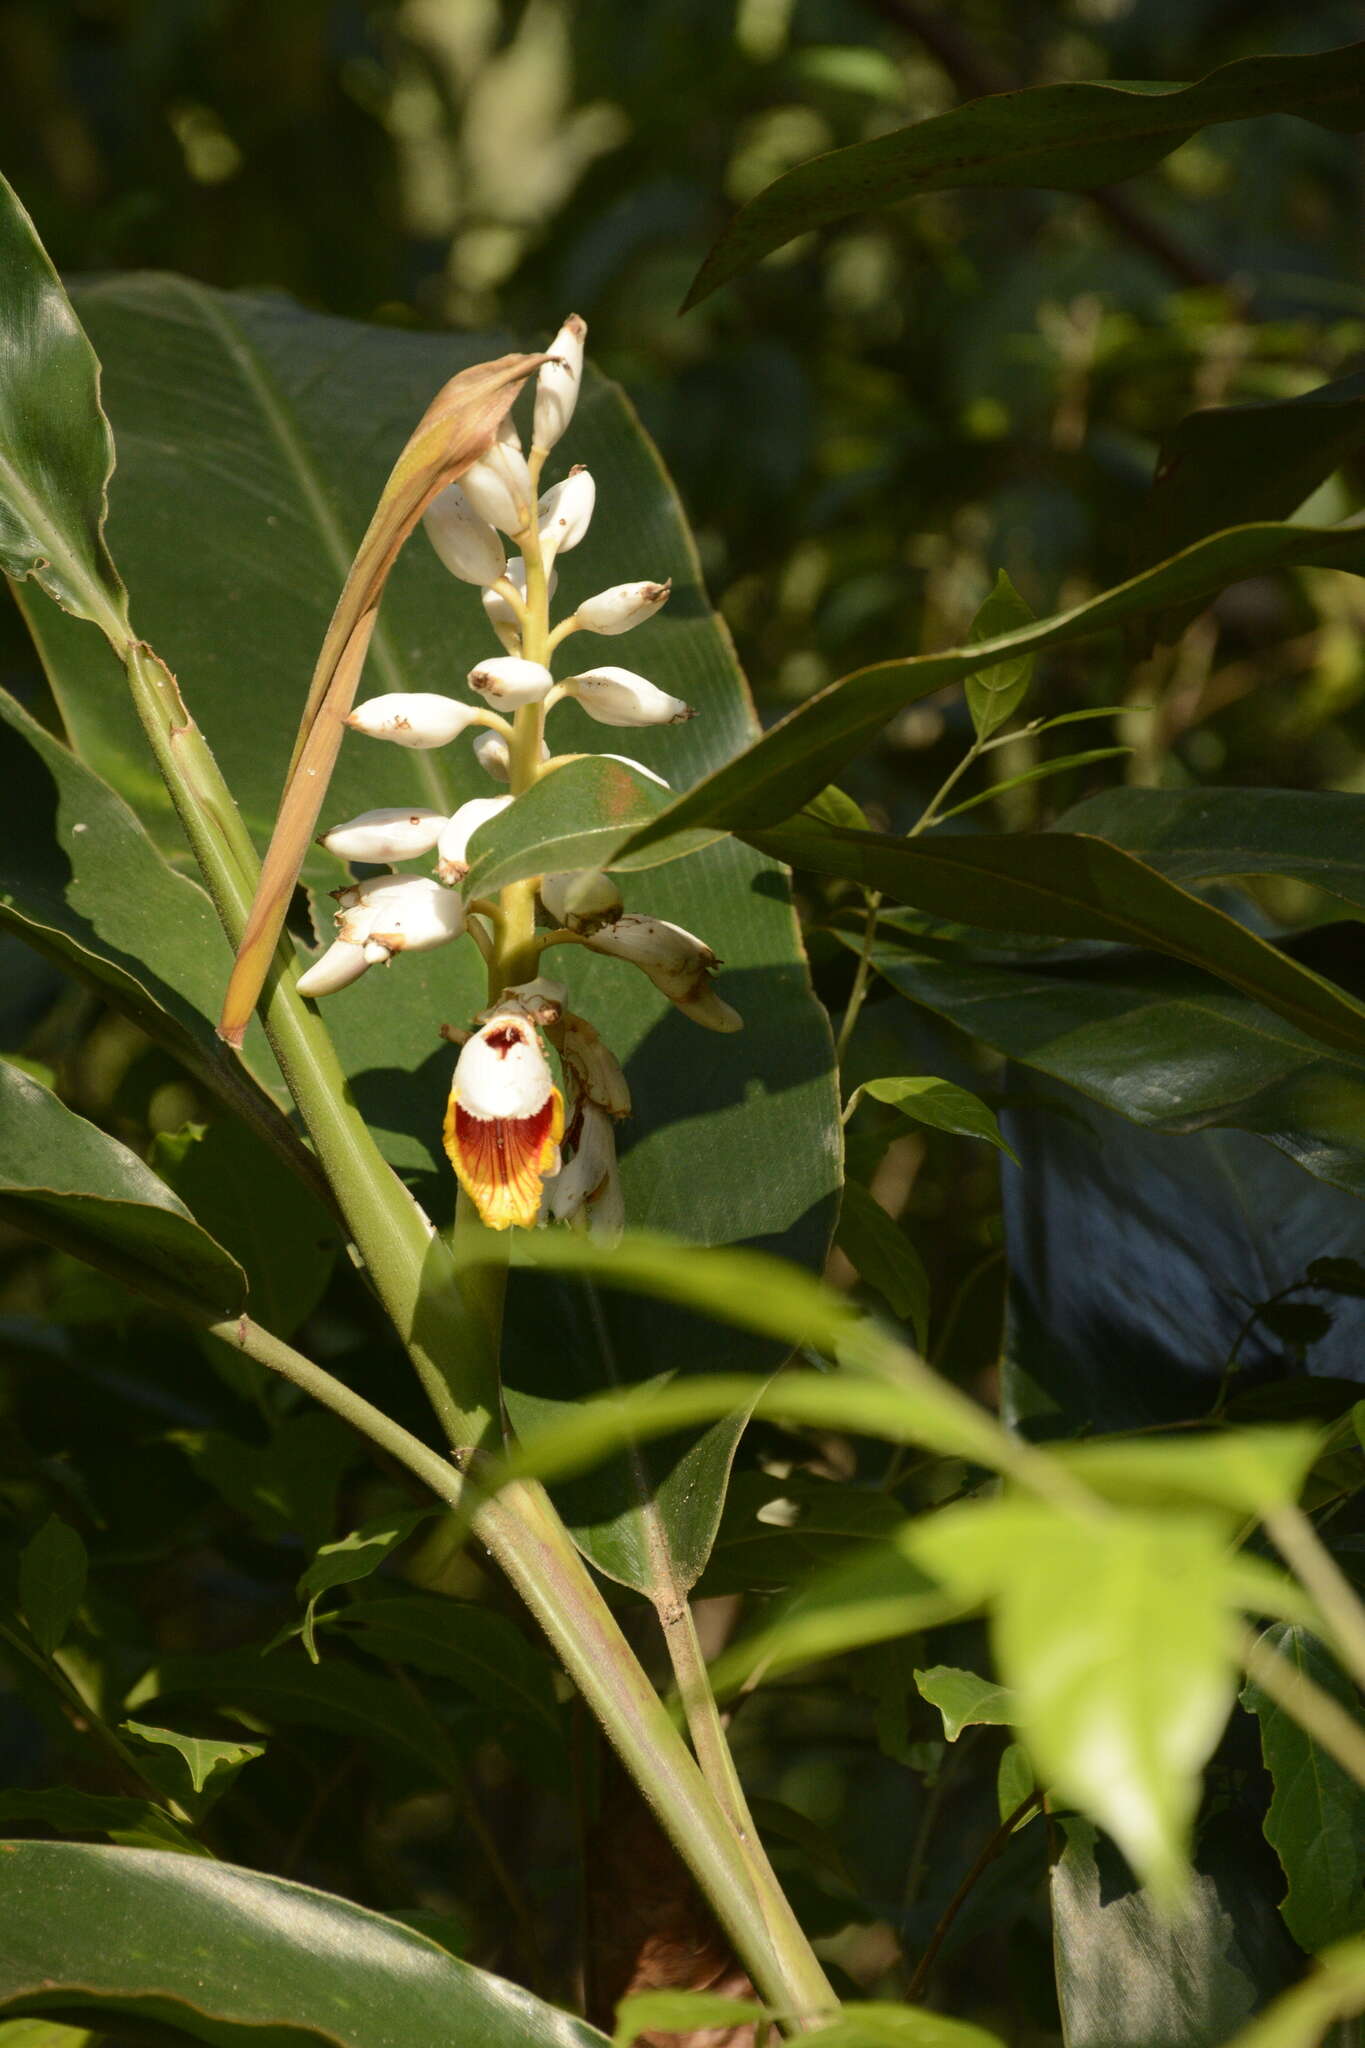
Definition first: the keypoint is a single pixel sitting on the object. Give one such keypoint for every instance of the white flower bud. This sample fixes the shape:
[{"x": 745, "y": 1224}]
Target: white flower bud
[
  {"x": 498, "y": 486},
  {"x": 581, "y": 898},
  {"x": 595, "y": 1070},
  {"x": 452, "y": 848},
  {"x": 616, "y": 696},
  {"x": 678, "y": 963},
  {"x": 625, "y": 605},
  {"x": 540, "y": 1000},
  {"x": 558, "y": 382},
  {"x": 565, "y": 513},
  {"x": 494, "y": 756},
  {"x": 385, "y": 835},
  {"x": 501, "y": 616},
  {"x": 509, "y": 682},
  {"x": 342, "y": 963},
  {"x": 467, "y": 545},
  {"x": 409, "y": 913},
  {"x": 589, "y": 1181},
  {"x": 416, "y": 718}
]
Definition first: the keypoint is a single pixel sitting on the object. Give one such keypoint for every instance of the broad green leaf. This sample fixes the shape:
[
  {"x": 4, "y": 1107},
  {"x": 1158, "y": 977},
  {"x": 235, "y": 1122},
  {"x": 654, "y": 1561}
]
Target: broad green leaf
[
  {"x": 1066, "y": 137},
  {"x": 1070, "y": 885},
  {"x": 677, "y": 2012},
  {"x": 1333, "y": 1990},
  {"x": 203, "y": 1768},
  {"x": 285, "y": 1688},
  {"x": 1229, "y": 463},
  {"x": 792, "y": 762},
  {"x": 227, "y": 1955},
  {"x": 1114, "y": 1635},
  {"x": 1131, "y": 1976},
  {"x": 1124, "y": 1029},
  {"x": 266, "y": 433},
  {"x": 64, "y": 1180},
  {"x": 136, "y": 1823},
  {"x": 575, "y": 818},
  {"x": 900, "y": 2026},
  {"x": 1316, "y": 1821},
  {"x": 284, "y": 1239},
  {"x": 994, "y": 694},
  {"x": 1246, "y": 1471},
  {"x": 883, "y": 1254},
  {"x": 963, "y": 1699},
  {"x": 82, "y": 883},
  {"x": 1205, "y": 835},
  {"x": 55, "y": 453},
  {"x": 940, "y": 1104},
  {"x": 52, "y": 1574}
]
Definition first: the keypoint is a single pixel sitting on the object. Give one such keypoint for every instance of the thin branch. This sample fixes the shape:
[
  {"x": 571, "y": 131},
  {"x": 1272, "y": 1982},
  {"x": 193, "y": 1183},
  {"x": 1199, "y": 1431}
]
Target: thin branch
[
  {"x": 989, "y": 1852},
  {"x": 1299, "y": 1545}
]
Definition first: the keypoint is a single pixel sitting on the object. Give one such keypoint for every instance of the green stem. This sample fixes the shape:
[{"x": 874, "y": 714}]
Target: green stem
[
  {"x": 85, "y": 1714},
  {"x": 1299, "y": 1545},
  {"x": 1317, "y": 1713}
]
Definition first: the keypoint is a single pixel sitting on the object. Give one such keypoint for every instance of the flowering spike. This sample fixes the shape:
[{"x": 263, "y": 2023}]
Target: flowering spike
[
  {"x": 509, "y": 682},
  {"x": 504, "y": 1121},
  {"x": 558, "y": 382},
  {"x": 565, "y": 513},
  {"x": 385, "y": 835},
  {"x": 617, "y": 696},
  {"x": 677, "y": 962},
  {"x": 468, "y": 545},
  {"x": 412, "y": 718},
  {"x": 623, "y": 606},
  {"x": 452, "y": 848}
]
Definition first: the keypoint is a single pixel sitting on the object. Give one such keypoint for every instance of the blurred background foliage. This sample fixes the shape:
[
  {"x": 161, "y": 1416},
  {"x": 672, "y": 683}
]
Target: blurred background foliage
[{"x": 863, "y": 429}]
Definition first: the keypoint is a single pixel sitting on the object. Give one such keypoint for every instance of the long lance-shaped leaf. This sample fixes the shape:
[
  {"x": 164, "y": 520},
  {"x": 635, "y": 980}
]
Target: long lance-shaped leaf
[
  {"x": 1067, "y": 137},
  {"x": 457, "y": 428},
  {"x": 793, "y": 761}
]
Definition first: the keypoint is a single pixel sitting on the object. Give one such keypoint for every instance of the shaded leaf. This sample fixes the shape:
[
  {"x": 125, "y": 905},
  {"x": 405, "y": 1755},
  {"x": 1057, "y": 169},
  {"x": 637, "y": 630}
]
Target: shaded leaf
[
  {"x": 900, "y": 2026},
  {"x": 52, "y": 1575},
  {"x": 205, "y": 1767},
  {"x": 995, "y": 694},
  {"x": 64, "y": 1180},
  {"x": 577, "y": 817},
  {"x": 1333, "y": 1990},
  {"x": 883, "y": 1254},
  {"x": 1067, "y": 137},
  {"x": 680, "y": 2012},
  {"x": 221, "y": 1954},
  {"x": 940, "y": 1104},
  {"x": 1316, "y": 1822},
  {"x": 1057, "y": 766},
  {"x": 963, "y": 1699},
  {"x": 352, "y": 1558},
  {"x": 136, "y": 1823}
]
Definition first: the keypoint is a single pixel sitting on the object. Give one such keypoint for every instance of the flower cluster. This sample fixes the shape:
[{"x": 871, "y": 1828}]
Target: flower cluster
[{"x": 521, "y": 1155}]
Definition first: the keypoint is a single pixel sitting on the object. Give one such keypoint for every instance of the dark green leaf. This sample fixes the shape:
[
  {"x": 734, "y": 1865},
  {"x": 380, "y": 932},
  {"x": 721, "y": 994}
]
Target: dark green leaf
[
  {"x": 883, "y": 1254},
  {"x": 995, "y": 694},
  {"x": 1013, "y": 1782},
  {"x": 224, "y": 1955},
  {"x": 1296, "y": 1323},
  {"x": 791, "y": 763},
  {"x": 1339, "y": 1276},
  {"x": 286, "y": 1487},
  {"x": 774, "y": 1531},
  {"x": 1065, "y": 885},
  {"x": 963, "y": 1699},
  {"x": 1316, "y": 1822},
  {"x": 1130, "y": 1976},
  {"x": 1068, "y": 137},
  {"x": 576, "y": 818},
  {"x": 52, "y": 1574},
  {"x": 204, "y": 1768},
  {"x": 55, "y": 453},
  {"x": 65, "y": 1181},
  {"x": 940, "y": 1104},
  {"x": 354, "y": 1557},
  {"x": 136, "y": 1823},
  {"x": 900, "y": 2026}
]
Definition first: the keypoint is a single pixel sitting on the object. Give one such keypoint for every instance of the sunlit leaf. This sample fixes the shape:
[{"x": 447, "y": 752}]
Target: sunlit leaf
[
  {"x": 963, "y": 1699},
  {"x": 940, "y": 1104}
]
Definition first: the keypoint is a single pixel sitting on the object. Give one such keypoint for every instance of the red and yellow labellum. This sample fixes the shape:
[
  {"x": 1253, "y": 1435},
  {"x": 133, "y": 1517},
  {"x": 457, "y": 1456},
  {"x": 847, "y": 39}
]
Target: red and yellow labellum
[{"x": 504, "y": 1122}]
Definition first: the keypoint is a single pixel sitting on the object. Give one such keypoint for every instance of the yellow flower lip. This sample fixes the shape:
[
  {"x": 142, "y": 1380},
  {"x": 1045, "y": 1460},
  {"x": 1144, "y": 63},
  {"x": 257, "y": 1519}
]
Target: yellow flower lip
[{"x": 504, "y": 1121}]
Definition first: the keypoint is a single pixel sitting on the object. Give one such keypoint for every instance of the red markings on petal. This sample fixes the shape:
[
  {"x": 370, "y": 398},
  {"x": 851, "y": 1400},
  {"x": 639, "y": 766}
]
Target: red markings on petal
[{"x": 500, "y": 1161}]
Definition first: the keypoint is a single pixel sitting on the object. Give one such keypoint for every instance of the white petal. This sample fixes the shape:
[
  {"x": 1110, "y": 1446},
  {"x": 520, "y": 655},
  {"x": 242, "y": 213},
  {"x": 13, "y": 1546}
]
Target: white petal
[
  {"x": 498, "y": 488},
  {"x": 385, "y": 835},
  {"x": 625, "y": 605},
  {"x": 581, "y": 899},
  {"x": 502, "y": 1070},
  {"x": 468, "y": 545},
  {"x": 565, "y": 513},
  {"x": 558, "y": 381},
  {"x": 617, "y": 696},
  {"x": 452, "y": 848},
  {"x": 341, "y": 964},
  {"x": 508, "y": 682},
  {"x": 491, "y": 753},
  {"x": 412, "y": 718}
]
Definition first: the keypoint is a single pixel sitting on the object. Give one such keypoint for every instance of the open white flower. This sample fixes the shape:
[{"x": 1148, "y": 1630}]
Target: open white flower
[
  {"x": 452, "y": 848},
  {"x": 676, "y": 961},
  {"x": 504, "y": 1120},
  {"x": 414, "y": 718},
  {"x": 617, "y": 696}
]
